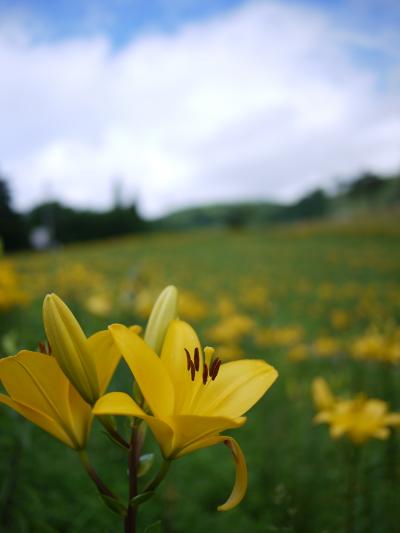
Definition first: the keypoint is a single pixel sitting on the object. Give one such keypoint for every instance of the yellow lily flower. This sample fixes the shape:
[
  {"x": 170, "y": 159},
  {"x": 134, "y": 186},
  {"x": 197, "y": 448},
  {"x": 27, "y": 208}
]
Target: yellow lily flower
[
  {"x": 38, "y": 390},
  {"x": 192, "y": 397},
  {"x": 88, "y": 363},
  {"x": 360, "y": 418}
]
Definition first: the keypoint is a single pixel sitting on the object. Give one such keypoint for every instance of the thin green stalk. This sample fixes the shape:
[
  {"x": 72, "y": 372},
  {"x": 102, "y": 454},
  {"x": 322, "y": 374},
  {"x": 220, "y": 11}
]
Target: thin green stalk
[
  {"x": 108, "y": 426},
  {"x": 153, "y": 484},
  {"x": 102, "y": 487},
  {"x": 135, "y": 447}
]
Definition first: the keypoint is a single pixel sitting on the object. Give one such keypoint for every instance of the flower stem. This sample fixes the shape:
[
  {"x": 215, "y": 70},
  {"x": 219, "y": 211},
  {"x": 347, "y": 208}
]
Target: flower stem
[
  {"x": 159, "y": 476},
  {"x": 102, "y": 488},
  {"x": 133, "y": 465},
  {"x": 108, "y": 426}
]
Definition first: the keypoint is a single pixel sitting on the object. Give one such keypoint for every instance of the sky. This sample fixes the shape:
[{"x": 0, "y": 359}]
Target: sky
[{"x": 186, "y": 102}]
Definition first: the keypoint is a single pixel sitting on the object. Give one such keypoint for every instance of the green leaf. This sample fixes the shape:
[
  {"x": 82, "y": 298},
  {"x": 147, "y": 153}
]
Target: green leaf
[
  {"x": 115, "y": 505},
  {"x": 145, "y": 463},
  {"x": 140, "y": 498},
  {"x": 153, "y": 527}
]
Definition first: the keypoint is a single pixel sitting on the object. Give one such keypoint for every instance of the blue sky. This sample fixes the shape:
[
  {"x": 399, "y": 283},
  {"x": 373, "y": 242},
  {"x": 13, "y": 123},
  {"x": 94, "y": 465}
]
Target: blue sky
[
  {"x": 122, "y": 19},
  {"x": 190, "y": 102}
]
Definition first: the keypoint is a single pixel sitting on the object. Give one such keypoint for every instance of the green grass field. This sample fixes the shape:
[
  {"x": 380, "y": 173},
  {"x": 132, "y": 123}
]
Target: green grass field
[{"x": 312, "y": 300}]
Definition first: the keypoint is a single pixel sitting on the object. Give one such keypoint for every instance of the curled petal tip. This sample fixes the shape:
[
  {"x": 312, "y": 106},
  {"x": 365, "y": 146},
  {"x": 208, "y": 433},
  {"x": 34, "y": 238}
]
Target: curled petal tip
[{"x": 240, "y": 486}]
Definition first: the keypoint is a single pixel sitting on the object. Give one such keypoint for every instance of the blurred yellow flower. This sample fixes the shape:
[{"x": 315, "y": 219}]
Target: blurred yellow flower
[
  {"x": 383, "y": 347},
  {"x": 192, "y": 396},
  {"x": 340, "y": 319},
  {"x": 360, "y": 418},
  {"x": 99, "y": 304},
  {"x": 299, "y": 352},
  {"x": 38, "y": 390},
  {"x": 191, "y": 307},
  {"x": 285, "y": 336},
  {"x": 11, "y": 294},
  {"x": 326, "y": 347},
  {"x": 231, "y": 329}
]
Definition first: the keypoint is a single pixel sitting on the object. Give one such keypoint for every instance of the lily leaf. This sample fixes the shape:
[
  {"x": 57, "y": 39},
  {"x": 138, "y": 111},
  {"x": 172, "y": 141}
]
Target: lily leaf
[
  {"x": 141, "y": 498},
  {"x": 115, "y": 505},
  {"x": 153, "y": 527}
]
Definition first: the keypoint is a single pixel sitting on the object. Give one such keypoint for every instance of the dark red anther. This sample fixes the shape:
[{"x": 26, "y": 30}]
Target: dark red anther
[
  {"x": 216, "y": 369},
  {"x": 196, "y": 359},
  {"x": 205, "y": 373},
  {"x": 192, "y": 370},
  {"x": 188, "y": 358},
  {"x": 212, "y": 367},
  {"x": 42, "y": 347}
]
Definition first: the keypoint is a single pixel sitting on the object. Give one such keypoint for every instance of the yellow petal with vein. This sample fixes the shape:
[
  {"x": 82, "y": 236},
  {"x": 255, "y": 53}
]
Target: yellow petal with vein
[
  {"x": 237, "y": 387},
  {"x": 39, "y": 419},
  {"x": 147, "y": 369},
  {"x": 188, "y": 429},
  {"x": 80, "y": 416},
  {"x": 35, "y": 380},
  {"x": 120, "y": 403},
  {"x": 106, "y": 357},
  {"x": 181, "y": 336}
]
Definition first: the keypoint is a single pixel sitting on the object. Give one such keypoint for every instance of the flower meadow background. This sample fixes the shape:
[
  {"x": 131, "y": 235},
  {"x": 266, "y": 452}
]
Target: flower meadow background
[{"x": 313, "y": 299}]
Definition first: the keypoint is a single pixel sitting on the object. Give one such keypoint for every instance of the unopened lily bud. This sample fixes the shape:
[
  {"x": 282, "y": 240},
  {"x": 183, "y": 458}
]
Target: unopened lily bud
[
  {"x": 164, "y": 310},
  {"x": 70, "y": 347}
]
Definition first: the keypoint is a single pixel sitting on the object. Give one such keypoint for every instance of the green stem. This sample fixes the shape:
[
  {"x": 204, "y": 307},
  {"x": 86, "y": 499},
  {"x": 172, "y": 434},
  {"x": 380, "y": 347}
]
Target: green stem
[
  {"x": 133, "y": 466},
  {"x": 102, "y": 488},
  {"x": 108, "y": 426},
  {"x": 159, "y": 476}
]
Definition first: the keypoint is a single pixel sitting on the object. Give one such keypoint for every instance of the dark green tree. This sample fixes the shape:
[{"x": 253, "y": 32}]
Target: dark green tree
[{"x": 13, "y": 230}]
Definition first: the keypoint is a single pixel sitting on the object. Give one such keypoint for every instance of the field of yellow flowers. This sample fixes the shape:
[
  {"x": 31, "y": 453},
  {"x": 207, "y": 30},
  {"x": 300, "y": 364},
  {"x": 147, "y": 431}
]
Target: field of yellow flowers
[{"x": 319, "y": 302}]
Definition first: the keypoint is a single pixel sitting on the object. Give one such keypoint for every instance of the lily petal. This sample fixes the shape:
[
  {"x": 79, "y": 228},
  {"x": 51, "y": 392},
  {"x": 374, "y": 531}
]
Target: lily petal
[
  {"x": 238, "y": 386},
  {"x": 106, "y": 357},
  {"x": 240, "y": 486},
  {"x": 180, "y": 337},
  {"x": 120, "y": 403},
  {"x": 35, "y": 380},
  {"x": 117, "y": 403},
  {"x": 189, "y": 429},
  {"x": 147, "y": 368},
  {"x": 80, "y": 416},
  {"x": 39, "y": 419}
]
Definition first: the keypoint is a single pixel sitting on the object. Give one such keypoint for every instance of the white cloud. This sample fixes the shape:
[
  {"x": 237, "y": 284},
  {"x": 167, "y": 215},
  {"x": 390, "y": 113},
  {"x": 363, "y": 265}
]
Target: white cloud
[{"x": 265, "y": 101}]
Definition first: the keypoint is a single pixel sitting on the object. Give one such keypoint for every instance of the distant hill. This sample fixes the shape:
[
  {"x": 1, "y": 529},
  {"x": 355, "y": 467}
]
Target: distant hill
[
  {"x": 232, "y": 215},
  {"x": 368, "y": 193},
  {"x": 53, "y": 223}
]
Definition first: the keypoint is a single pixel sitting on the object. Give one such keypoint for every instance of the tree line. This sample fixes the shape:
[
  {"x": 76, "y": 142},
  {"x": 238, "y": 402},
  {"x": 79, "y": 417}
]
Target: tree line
[{"x": 62, "y": 224}]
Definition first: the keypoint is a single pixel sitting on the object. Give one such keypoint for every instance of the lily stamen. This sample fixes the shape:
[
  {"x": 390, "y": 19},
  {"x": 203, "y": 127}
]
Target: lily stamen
[
  {"x": 192, "y": 371},
  {"x": 196, "y": 359},
  {"x": 205, "y": 373},
  {"x": 216, "y": 369},
  {"x": 189, "y": 361},
  {"x": 194, "y": 366}
]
